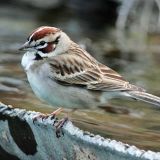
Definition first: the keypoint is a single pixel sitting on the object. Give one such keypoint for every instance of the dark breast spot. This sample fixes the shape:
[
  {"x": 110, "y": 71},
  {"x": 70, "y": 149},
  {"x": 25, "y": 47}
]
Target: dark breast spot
[{"x": 38, "y": 57}]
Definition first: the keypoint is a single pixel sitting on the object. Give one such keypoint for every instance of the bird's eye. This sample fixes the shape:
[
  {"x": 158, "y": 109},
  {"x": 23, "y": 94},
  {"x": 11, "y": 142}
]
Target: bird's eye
[{"x": 42, "y": 43}]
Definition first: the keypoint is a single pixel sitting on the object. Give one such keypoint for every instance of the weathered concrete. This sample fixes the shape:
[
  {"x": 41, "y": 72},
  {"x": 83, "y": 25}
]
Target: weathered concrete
[{"x": 21, "y": 139}]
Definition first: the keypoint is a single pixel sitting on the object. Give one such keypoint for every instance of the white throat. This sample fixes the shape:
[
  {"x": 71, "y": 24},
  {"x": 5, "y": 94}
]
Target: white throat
[{"x": 28, "y": 60}]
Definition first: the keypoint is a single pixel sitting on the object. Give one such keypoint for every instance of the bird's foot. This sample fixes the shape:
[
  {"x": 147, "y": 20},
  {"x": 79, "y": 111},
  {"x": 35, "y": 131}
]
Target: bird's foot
[
  {"x": 59, "y": 126},
  {"x": 45, "y": 116}
]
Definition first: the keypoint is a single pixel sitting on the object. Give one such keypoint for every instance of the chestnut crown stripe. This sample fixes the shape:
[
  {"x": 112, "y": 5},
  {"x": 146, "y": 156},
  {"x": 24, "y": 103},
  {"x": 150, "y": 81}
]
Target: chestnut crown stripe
[{"x": 42, "y": 32}]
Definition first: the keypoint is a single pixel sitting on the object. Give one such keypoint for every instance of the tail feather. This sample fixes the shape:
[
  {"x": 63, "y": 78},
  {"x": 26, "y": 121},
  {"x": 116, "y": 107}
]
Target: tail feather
[{"x": 146, "y": 97}]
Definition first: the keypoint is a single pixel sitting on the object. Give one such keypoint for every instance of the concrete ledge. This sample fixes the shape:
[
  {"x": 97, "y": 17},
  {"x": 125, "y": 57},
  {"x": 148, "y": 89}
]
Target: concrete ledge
[{"x": 21, "y": 139}]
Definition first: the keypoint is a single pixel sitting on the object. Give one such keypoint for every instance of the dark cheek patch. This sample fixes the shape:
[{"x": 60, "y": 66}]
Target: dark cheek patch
[{"x": 47, "y": 49}]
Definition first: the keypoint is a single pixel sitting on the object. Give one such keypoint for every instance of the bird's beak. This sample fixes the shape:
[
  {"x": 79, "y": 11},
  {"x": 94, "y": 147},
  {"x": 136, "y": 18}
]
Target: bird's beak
[{"x": 25, "y": 46}]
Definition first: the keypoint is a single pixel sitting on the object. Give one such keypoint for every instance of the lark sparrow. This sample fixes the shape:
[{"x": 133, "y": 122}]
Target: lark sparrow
[{"x": 63, "y": 74}]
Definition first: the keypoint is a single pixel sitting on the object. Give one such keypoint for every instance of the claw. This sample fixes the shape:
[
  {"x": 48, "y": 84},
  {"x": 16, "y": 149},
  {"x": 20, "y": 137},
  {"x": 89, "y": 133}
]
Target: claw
[
  {"x": 59, "y": 126},
  {"x": 45, "y": 116},
  {"x": 39, "y": 116},
  {"x": 56, "y": 112}
]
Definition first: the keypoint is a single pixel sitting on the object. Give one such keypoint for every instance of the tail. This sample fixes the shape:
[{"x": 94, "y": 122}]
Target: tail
[{"x": 146, "y": 97}]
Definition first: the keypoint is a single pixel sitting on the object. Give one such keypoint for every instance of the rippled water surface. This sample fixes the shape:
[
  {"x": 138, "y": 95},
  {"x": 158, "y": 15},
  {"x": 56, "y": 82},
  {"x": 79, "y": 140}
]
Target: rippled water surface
[{"x": 131, "y": 122}]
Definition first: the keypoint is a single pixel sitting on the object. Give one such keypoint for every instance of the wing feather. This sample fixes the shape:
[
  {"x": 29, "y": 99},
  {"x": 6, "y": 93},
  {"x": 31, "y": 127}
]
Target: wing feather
[
  {"x": 77, "y": 68},
  {"x": 74, "y": 70}
]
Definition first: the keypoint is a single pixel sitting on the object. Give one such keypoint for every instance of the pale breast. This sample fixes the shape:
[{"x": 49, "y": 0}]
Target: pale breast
[{"x": 60, "y": 95}]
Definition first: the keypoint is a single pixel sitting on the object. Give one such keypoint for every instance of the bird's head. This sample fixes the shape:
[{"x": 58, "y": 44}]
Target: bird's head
[{"x": 47, "y": 41}]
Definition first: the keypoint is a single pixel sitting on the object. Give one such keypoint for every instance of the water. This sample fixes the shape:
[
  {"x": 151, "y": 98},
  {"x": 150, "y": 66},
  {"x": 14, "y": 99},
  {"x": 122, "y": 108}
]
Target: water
[{"x": 132, "y": 122}]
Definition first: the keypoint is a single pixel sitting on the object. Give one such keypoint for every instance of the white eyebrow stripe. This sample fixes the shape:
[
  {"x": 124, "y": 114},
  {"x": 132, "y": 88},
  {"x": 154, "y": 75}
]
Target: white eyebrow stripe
[
  {"x": 40, "y": 47},
  {"x": 30, "y": 37}
]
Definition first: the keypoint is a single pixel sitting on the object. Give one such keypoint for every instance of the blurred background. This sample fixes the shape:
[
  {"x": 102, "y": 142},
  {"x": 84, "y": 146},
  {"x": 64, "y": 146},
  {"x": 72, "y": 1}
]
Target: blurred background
[{"x": 123, "y": 34}]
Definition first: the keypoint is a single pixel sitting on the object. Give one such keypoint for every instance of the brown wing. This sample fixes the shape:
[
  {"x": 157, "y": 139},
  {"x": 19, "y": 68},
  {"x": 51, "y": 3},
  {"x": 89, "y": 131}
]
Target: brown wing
[
  {"x": 109, "y": 73},
  {"x": 82, "y": 69},
  {"x": 73, "y": 69},
  {"x": 112, "y": 81}
]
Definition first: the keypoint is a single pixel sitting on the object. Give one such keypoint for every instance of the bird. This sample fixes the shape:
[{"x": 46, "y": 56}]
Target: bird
[{"x": 63, "y": 74}]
